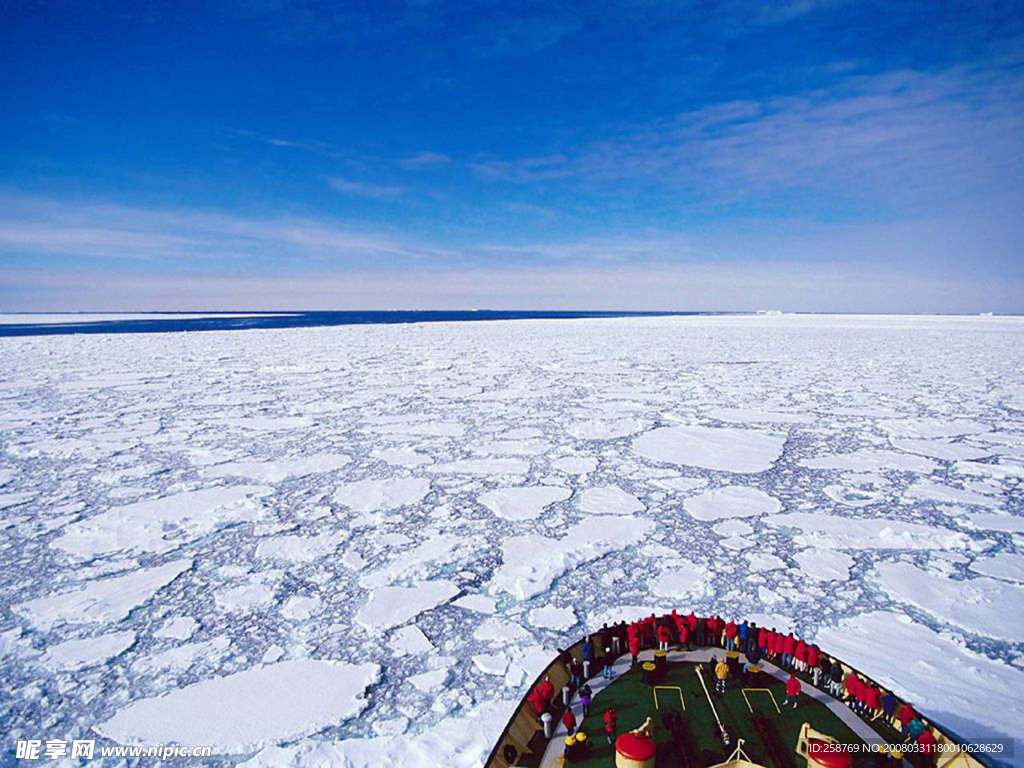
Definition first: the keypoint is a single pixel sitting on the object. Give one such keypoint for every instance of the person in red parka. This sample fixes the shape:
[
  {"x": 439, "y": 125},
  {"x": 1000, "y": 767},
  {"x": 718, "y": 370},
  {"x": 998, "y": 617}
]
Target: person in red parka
[
  {"x": 546, "y": 690},
  {"x": 862, "y": 697},
  {"x": 872, "y": 700},
  {"x": 776, "y": 644},
  {"x": 710, "y": 625},
  {"x": 800, "y": 656},
  {"x": 684, "y": 635},
  {"x": 569, "y": 721},
  {"x": 926, "y": 742},
  {"x": 851, "y": 685},
  {"x": 664, "y": 636},
  {"x": 538, "y": 704},
  {"x": 731, "y": 631},
  {"x": 762, "y": 640},
  {"x": 634, "y": 649},
  {"x": 792, "y": 691},
  {"x": 905, "y": 714},
  {"x": 788, "y": 646},
  {"x": 611, "y": 722},
  {"x": 813, "y": 660}
]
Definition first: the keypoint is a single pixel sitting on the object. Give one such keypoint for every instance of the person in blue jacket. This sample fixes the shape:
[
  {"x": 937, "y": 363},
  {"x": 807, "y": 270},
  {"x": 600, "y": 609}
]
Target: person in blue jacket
[
  {"x": 744, "y": 633},
  {"x": 588, "y": 649}
]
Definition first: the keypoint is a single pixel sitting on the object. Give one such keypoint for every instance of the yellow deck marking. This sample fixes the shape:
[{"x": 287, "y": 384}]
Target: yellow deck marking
[
  {"x": 760, "y": 690},
  {"x": 668, "y": 688},
  {"x": 959, "y": 754}
]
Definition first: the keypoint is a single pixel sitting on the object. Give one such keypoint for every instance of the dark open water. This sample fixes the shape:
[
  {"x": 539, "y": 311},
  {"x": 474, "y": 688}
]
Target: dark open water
[{"x": 300, "y": 320}]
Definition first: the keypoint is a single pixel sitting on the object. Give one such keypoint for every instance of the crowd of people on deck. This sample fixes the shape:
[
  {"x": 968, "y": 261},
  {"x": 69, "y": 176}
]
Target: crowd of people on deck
[{"x": 689, "y": 632}]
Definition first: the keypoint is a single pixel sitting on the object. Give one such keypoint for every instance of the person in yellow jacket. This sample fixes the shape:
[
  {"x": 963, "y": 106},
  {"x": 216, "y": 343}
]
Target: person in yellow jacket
[{"x": 721, "y": 672}]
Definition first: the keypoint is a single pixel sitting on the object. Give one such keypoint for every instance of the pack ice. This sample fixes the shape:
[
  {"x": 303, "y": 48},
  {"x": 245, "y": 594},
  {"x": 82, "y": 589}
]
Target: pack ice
[{"x": 356, "y": 545}]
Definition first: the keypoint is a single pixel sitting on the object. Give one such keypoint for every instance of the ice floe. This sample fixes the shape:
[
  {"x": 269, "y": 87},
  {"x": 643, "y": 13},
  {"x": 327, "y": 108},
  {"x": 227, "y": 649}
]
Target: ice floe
[
  {"x": 179, "y": 628},
  {"x": 389, "y": 607},
  {"x": 531, "y": 563},
  {"x": 553, "y": 617},
  {"x": 835, "y": 532},
  {"x": 731, "y": 501},
  {"x": 1002, "y": 565},
  {"x": 608, "y": 500},
  {"x": 931, "y": 428},
  {"x": 280, "y": 469},
  {"x": 377, "y": 495},
  {"x": 247, "y": 710},
  {"x": 103, "y": 601},
  {"x": 968, "y": 603},
  {"x": 725, "y": 449},
  {"x": 824, "y": 564},
  {"x": 973, "y": 695},
  {"x": 524, "y": 503},
  {"x": 872, "y": 460},
  {"x": 89, "y": 651},
  {"x": 944, "y": 494},
  {"x": 164, "y": 524}
]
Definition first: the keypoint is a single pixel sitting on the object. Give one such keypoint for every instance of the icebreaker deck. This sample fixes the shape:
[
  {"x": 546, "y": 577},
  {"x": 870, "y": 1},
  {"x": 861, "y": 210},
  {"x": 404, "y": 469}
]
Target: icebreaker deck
[
  {"x": 750, "y": 709},
  {"x": 688, "y": 718}
]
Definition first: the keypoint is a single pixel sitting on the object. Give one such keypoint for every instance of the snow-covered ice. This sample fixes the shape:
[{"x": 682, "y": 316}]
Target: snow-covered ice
[
  {"x": 725, "y": 449},
  {"x": 523, "y": 503},
  {"x": 962, "y": 689},
  {"x": 246, "y": 710},
  {"x": 199, "y": 527},
  {"x": 89, "y": 651},
  {"x": 609, "y": 501},
  {"x": 731, "y": 501},
  {"x": 392, "y": 606}
]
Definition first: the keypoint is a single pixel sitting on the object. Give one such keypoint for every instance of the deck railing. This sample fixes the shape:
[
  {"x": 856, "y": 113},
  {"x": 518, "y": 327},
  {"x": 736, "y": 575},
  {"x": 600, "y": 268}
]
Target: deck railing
[{"x": 524, "y": 725}]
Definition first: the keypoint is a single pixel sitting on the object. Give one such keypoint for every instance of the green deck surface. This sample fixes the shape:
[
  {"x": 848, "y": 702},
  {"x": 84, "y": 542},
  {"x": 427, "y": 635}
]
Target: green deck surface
[{"x": 634, "y": 700}]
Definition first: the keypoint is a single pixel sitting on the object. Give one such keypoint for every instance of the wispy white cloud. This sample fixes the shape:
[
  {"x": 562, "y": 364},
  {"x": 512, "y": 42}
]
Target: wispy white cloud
[
  {"x": 898, "y": 137},
  {"x": 105, "y": 231},
  {"x": 215, "y": 260},
  {"x": 365, "y": 189},
  {"x": 660, "y": 286},
  {"x": 424, "y": 161},
  {"x": 314, "y": 146}
]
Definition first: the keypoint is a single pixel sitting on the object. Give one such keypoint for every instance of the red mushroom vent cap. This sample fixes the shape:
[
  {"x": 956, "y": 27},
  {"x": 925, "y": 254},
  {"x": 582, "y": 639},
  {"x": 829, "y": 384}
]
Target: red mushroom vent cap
[{"x": 635, "y": 746}]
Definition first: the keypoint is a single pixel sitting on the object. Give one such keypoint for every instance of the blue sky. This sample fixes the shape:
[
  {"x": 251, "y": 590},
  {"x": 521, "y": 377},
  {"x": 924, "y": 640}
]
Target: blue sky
[{"x": 283, "y": 154}]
